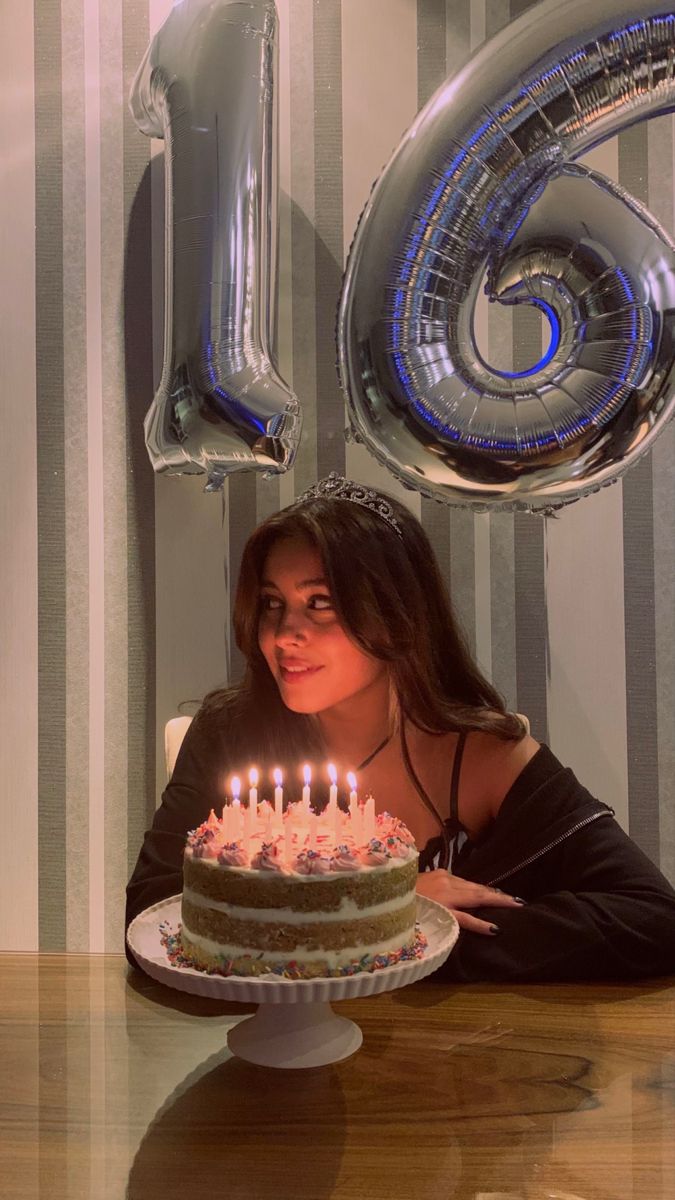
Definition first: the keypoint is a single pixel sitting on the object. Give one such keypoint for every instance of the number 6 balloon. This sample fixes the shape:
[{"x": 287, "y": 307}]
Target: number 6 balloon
[
  {"x": 206, "y": 85},
  {"x": 483, "y": 190}
]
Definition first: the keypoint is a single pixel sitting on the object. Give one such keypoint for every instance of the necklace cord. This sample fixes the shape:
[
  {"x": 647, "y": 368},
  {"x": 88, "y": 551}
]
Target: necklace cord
[
  {"x": 414, "y": 779},
  {"x": 375, "y": 752}
]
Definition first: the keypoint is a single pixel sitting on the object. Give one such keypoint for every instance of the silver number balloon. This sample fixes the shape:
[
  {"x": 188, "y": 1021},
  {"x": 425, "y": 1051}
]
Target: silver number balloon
[
  {"x": 206, "y": 86},
  {"x": 484, "y": 190}
]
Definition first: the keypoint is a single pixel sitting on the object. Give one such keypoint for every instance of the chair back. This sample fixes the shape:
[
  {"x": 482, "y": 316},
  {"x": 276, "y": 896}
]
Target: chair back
[{"x": 174, "y": 732}]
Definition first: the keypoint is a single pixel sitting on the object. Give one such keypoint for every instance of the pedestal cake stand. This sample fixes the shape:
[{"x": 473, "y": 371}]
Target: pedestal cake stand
[{"x": 294, "y": 1025}]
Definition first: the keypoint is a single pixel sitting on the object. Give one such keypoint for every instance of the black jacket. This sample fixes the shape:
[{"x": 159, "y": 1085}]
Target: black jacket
[{"x": 597, "y": 907}]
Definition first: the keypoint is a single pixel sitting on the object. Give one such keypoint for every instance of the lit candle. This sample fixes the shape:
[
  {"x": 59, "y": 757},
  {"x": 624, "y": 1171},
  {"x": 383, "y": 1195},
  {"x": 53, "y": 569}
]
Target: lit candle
[
  {"x": 369, "y": 819},
  {"x": 333, "y": 810},
  {"x": 353, "y": 805},
  {"x": 307, "y": 776},
  {"x": 253, "y": 795},
  {"x": 337, "y": 827},
  {"x": 278, "y": 795},
  {"x": 247, "y": 830},
  {"x": 235, "y": 828},
  {"x": 313, "y": 830},
  {"x": 332, "y": 775},
  {"x": 288, "y": 842}
]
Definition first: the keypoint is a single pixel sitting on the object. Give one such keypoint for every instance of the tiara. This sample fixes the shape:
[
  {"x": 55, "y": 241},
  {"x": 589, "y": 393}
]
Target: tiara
[{"x": 336, "y": 487}]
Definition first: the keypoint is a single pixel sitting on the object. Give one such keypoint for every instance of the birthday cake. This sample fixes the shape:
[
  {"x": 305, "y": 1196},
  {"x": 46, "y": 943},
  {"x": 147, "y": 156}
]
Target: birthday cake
[{"x": 298, "y": 894}]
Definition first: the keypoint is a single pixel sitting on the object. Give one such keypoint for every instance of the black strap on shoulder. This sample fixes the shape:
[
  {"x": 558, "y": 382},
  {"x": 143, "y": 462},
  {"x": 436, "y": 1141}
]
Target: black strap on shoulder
[
  {"x": 449, "y": 829},
  {"x": 454, "y": 781}
]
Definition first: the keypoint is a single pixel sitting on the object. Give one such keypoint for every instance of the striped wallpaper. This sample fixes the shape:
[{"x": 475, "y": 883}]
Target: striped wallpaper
[{"x": 117, "y": 585}]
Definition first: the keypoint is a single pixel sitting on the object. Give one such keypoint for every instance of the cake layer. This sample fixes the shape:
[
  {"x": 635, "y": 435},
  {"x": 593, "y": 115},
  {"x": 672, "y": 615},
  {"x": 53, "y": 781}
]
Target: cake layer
[
  {"x": 258, "y": 889},
  {"x": 242, "y": 960},
  {"x": 312, "y": 935}
]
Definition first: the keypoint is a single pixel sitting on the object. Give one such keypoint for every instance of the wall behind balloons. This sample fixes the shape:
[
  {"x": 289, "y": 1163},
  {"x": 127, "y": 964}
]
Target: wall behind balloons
[{"x": 117, "y": 584}]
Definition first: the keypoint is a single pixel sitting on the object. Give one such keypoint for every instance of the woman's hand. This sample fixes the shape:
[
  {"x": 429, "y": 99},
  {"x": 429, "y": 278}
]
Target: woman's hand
[{"x": 459, "y": 894}]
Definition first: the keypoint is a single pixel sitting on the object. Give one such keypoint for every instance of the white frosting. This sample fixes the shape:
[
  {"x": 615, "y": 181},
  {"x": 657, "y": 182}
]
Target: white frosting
[
  {"x": 360, "y": 869},
  {"x": 348, "y": 910},
  {"x": 334, "y": 958}
]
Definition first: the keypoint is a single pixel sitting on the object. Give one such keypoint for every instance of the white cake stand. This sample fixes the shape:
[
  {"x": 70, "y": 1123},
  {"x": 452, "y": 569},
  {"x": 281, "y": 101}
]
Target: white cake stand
[{"x": 294, "y": 1025}]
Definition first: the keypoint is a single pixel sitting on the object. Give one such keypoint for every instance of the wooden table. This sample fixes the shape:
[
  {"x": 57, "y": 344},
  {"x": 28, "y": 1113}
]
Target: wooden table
[{"x": 112, "y": 1085}]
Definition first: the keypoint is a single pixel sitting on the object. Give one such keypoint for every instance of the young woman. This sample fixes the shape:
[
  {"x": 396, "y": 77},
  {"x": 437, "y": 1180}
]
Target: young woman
[{"x": 353, "y": 656}]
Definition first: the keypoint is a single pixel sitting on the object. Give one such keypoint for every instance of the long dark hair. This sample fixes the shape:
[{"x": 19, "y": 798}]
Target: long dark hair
[{"x": 391, "y": 599}]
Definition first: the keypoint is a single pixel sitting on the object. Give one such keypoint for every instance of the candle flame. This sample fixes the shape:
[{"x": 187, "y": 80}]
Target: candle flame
[
  {"x": 253, "y": 777},
  {"x": 307, "y": 774},
  {"x": 351, "y": 780},
  {"x": 236, "y": 786},
  {"x": 332, "y": 773},
  {"x": 277, "y": 776}
]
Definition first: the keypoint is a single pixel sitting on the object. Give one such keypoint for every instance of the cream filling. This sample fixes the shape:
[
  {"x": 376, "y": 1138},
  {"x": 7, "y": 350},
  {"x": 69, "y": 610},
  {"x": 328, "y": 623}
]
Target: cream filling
[
  {"x": 348, "y": 910},
  {"x": 333, "y": 958}
]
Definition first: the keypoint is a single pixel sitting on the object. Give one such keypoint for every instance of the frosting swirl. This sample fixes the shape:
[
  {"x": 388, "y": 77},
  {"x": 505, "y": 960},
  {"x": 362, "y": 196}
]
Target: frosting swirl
[
  {"x": 396, "y": 847},
  {"x": 312, "y": 862},
  {"x": 233, "y": 855},
  {"x": 376, "y": 853},
  {"x": 344, "y": 858},
  {"x": 267, "y": 858}
]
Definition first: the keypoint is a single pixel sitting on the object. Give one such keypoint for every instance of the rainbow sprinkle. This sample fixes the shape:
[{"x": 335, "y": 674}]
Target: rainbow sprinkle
[{"x": 248, "y": 966}]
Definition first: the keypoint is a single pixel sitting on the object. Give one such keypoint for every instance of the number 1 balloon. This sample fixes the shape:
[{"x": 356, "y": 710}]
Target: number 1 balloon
[
  {"x": 207, "y": 86},
  {"x": 484, "y": 190}
]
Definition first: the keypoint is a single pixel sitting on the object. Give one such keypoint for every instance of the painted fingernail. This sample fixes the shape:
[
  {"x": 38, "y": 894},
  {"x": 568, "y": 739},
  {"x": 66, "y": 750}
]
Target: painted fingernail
[
  {"x": 495, "y": 929},
  {"x": 519, "y": 900}
]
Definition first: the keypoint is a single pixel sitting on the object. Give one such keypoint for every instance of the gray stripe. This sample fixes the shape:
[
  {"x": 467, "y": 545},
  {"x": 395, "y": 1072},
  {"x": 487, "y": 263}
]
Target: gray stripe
[
  {"x": 641, "y": 714},
  {"x": 502, "y": 576},
  {"x": 663, "y": 475},
  {"x": 462, "y": 571},
  {"x": 140, "y": 485},
  {"x": 638, "y": 534},
  {"x": 113, "y": 493},
  {"x": 518, "y": 7},
  {"x": 267, "y": 497},
  {"x": 497, "y": 15},
  {"x": 77, "y": 482},
  {"x": 303, "y": 236},
  {"x": 457, "y": 34},
  {"x": 531, "y": 628},
  {"x": 431, "y": 68},
  {"x": 477, "y": 22},
  {"x": 51, "y": 480},
  {"x": 242, "y": 520},
  {"x": 328, "y": 262}
]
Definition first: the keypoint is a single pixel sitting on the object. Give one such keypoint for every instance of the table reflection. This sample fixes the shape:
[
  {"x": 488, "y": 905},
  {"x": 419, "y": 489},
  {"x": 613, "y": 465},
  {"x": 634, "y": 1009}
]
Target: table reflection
[{"x": 117, "y": 1086}]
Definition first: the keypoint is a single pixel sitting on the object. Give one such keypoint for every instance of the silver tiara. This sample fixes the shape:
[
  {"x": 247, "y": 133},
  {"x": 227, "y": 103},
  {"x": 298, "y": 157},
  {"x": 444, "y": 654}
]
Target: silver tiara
[{"x": 336, "y": 487}]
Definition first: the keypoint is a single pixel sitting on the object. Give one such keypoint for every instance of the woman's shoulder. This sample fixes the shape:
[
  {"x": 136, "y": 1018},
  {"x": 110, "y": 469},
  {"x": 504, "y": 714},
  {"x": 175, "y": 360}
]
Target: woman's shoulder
[{"x": 491, "y": 765}]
